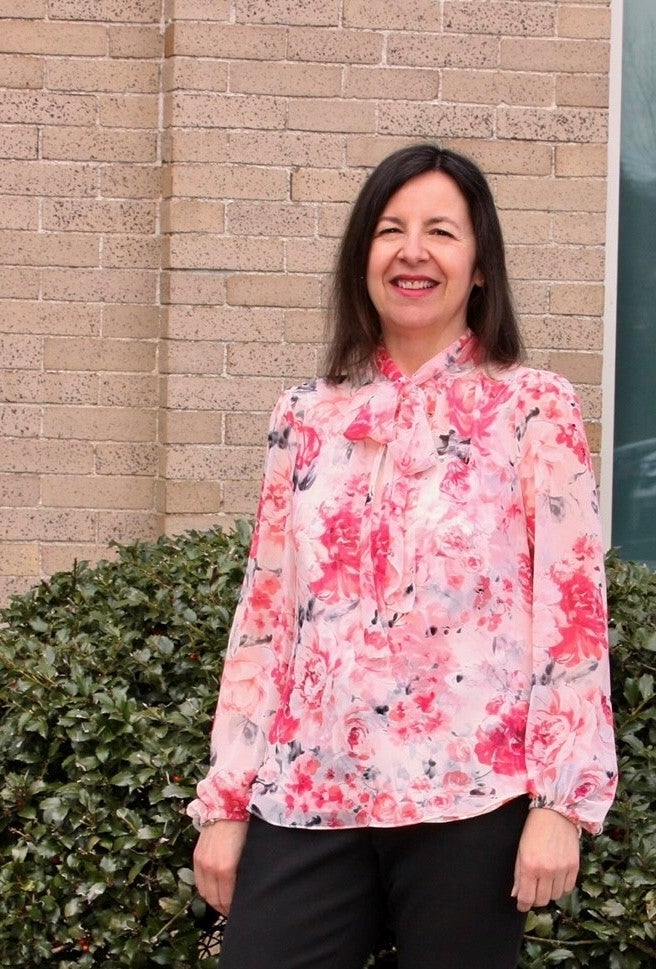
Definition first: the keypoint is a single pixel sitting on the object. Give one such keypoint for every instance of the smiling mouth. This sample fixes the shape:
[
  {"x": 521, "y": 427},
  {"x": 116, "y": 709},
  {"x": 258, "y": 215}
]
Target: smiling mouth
[{"x": 414, "y": 283}]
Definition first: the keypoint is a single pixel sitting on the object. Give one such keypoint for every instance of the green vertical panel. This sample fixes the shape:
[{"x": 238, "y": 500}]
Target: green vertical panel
[{"x": 634, "y": 474}]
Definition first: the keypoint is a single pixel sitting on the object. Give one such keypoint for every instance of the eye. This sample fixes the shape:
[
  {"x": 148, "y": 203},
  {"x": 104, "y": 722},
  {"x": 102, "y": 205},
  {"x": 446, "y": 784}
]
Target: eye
[
  {"x": 442, "y": 232},
  {"x": 387, "y": 230}
]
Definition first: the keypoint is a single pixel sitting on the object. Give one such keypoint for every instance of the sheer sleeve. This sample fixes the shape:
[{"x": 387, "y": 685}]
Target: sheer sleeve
[
  {"x": 570, "y": 752},
  {"x": 259, "y": 645}
]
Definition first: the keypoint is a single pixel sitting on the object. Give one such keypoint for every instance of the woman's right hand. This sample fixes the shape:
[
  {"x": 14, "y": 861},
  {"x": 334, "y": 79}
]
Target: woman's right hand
[{"x": 216, "y": 857}]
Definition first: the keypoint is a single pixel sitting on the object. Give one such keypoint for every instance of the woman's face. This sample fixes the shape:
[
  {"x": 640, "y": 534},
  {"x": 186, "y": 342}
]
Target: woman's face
[{"x": 422, "y": 264}]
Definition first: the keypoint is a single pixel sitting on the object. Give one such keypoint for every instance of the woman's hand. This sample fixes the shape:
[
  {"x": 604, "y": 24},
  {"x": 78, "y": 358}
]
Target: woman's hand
[
  {"x": 547, "y": 859},
  {"x": 216, "y": 857}
]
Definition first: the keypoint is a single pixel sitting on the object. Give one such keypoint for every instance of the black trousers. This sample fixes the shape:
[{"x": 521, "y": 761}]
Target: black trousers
[{"x": 317, "y": 899}]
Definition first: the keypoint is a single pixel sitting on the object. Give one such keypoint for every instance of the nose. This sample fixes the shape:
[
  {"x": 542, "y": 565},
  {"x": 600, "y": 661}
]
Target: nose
[{"x": 413, "y": 249}]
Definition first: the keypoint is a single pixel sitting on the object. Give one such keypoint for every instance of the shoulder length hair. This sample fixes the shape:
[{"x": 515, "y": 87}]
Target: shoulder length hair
[{"x": 354, "y": 327}]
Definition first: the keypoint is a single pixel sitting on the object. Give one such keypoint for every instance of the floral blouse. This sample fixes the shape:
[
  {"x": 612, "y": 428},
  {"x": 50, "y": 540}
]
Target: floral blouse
[{"x": 421, "y": 634}]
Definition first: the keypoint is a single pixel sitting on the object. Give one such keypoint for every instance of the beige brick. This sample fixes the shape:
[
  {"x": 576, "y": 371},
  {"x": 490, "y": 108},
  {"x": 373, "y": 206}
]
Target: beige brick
[
  {"x": 324, "y": 185},
  {"x": 391, "y": 82},
  {"x": 127, "y": 527},
  {"x": 580, "y": 228},
  {"x": 249, "y": 429},
  {"x": 591, "y": 401},
  {"x": 271, "y": 360},
  {"x": 99, "y": 424},
  {"x": 224, "y": 323},
  {"x": 333, "y": 218},
  {"x": 522, "y": 226},
  {"x": 240, "y": 497},
  {"x": 19, "y": 490},
  {"x": 19, "y": 141},
  {"x": 192, "y": 427},
  {"x": 133, "y": 41},
  {"x": 585, "y": 160},
  {"x": 129, "y": 320},
  {"x": 107, "y": 285},
  {"x": 97, "y": 491},
  {"x": 129, "y": 111},
  {"x": 501, "y": 19},
  {"x": 196, "y": 251},
  {"x": 228, "y": 181},
  {"x": 574, "y": 299},
  {"x": 82, "y": 353},
  {"x": 271, "y": 218},
  {"x": 114, "y": 458},
  {"x": 100, "y": 215},
  {"x": 379, "y": 15},
  {"x": 304, "y": 326},
  {"x": 326, "y": 14},
  {"x": 530, "y": 297},
  {"x": 21, "y": 352},
  {"x": 200, "y": 497},
  {"x": 129, "y": 390},
  {"x": 220, "y": 393},
  {"x": 30, "y": 387},
  {"x": 131, "y": 181},
  {"x": 451, "y": 120},
  {"x": 60, "y": 556},
  {"x": 19, "y": 212},
  {"x": 18, "y": 286},
  {"x": 273, "y": 290},
  {"x": 45, "y": 457},
  {"x": 339, "y": 46},
  {"x": 97, "y": 144},
  {"x": 563, "y": 332},
  {"x": 18, "y": 420},
  {"x": 232, "y": 41},
  {"x": 582, "y": 90},
  {"x": 310, "y": 256},
  {"x": 192, "y": 357},
  {"x": 583, "y": 22},
  {"x": 48, "y": 249},
  {"x": 200, "y": 10},
  {"x": 185, "y": 286},
  {"x": 307, "y": 114},
  {"x": 21, "y": 71},
  {"x": 566, "y": 195},
  {"x": 568, "y": 56},
  {"x": 556, "y": 262},
  {"x": 579, "y": 367},
  {"x": 14, "y": 586},
  {"x": 139, "y": 252},
  {"x": 102, "y": 74},
  {"x": 202, "y": 145},
  {"x": 193, "y": 74},
  {"x": 292, "y": 148},
  {"x": 593, "y": 434},
  {"x": 498, "y": 87},
  {"x": 42, "y": 107},
  {"x": 563, "y": 124},
  {"x": 228, "y": 111},
  {"x": 411, "y": 49},
  {"x": 25, "y": 316},
  {"x": 202, "y": 463},
  {"x": 177, "y": 524},
  {"x": 19, "y": 558},
  {"x": 23, "y": 8},
  {"x": 21, "y": 37},
  {"x": 139, "y": 11},
  {"x": 38, "y": 178},
  {"x": 297, "y": 80}
]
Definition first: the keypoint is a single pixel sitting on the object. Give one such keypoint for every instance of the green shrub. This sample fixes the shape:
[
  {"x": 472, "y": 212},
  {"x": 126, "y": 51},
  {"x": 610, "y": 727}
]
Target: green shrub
[{"x": 108, "y": 681}]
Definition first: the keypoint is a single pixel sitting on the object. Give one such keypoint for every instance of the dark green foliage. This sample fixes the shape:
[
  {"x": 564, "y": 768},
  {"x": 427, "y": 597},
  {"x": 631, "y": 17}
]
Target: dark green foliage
[{"x": 108, "y": 680}]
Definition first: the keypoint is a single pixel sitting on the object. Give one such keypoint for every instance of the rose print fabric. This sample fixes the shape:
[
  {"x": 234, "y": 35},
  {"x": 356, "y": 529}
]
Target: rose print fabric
[{"x": 421, "y": 634}]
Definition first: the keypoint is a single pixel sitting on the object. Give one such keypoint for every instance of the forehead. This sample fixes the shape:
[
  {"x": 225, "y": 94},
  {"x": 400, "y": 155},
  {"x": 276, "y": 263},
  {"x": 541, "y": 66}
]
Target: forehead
[{"x": 436, "y": 192}]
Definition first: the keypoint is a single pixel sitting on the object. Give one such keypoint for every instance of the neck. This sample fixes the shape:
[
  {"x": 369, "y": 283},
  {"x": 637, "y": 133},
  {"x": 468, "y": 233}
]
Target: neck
[{"x": 410, "y": 354}]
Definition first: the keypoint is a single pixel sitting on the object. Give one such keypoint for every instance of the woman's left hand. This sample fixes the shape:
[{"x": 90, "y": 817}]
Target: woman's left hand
[{"x": 547, "y": 859}]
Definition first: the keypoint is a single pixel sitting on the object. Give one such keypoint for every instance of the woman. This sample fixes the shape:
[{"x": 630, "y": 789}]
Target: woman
[{"x": 413, "y": 724}]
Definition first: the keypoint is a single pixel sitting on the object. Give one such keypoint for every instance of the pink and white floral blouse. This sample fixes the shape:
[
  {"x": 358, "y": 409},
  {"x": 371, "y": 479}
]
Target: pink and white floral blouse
[{"x": 422, "y": 632}]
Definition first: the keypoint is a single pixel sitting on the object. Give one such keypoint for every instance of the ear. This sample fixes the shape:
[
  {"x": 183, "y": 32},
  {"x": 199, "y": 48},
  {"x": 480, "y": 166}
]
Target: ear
[{"x": 479, "y": 279}]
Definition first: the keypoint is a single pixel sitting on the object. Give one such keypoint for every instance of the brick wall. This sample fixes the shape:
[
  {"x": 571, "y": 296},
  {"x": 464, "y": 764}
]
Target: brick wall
[{"x": 175, "y": 175}]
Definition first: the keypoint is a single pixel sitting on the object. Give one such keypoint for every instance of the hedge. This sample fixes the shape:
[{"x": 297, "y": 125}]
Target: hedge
[{"x": 108, "y": 679}]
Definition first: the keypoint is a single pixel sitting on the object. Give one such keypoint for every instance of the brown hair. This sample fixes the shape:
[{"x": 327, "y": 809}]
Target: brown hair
[{"x": 355, "y": 331}]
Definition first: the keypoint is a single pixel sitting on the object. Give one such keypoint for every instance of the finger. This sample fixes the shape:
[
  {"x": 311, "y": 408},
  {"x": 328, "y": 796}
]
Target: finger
[{"x": 544, "y": 892}]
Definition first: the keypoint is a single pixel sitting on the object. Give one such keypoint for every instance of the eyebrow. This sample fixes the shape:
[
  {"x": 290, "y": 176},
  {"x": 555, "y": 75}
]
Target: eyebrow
[{"x": 434, "y": 220}]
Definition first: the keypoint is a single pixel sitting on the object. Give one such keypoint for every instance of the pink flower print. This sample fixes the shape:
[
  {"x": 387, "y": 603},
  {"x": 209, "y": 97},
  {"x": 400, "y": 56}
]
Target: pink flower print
[
  {"x": 558, "y": 724},
  {"x": 583, "y": 626},
  {"x": 243, "y": 679},
  {"x": 501, "y": 738}
]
